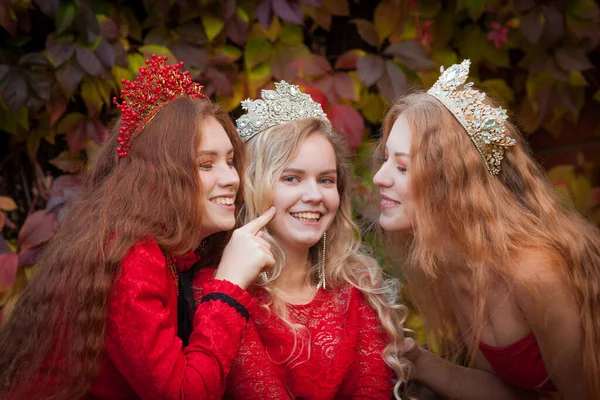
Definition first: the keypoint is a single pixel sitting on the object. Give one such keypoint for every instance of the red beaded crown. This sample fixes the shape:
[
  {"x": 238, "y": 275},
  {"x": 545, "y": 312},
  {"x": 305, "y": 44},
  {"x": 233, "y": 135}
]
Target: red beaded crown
[{"x": 156, "y": 85}]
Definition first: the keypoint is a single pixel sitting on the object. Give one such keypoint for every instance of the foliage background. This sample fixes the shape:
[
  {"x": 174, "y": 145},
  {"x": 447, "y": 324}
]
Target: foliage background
[{"x": 62, "y": 61}]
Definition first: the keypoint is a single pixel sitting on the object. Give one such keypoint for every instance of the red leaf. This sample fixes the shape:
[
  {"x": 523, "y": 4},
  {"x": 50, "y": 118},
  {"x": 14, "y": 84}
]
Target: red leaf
[
  {"x": 312, "y": 65},
  {"x": 105, "y": 53},
  {"x": 77, "y": 137},
  {"x": 64, "y": 183},
  {"x": 327, "y": 85},
  {"x": 393, "y": 82},
  {"x": 56, "y": 108},
  {"x": 345, "y": 86},
  {"x": 109, "y": 29},
  {"x": 96, "y": 131},
  {"x": 572, "y": 59},
  {"x": 370, "y": 68},
  {"x": 29, "y": 257},
  {"x": 315, "y": 93},
  {"x": 69, "y": 76},
  {"x": 367, "y": 31},
  {"x": 191, "y": 33},
  {"x": 263, "y": 13},
  {"x": 531, "y": 25},
  {"x": 288, "y": 11},
  {"x": 349, "y": 59},
  {"x": 6, "y": 20},
  {"x": 411, "y": 54},
  {"x": 348, "y": 121},
  {"x": 14, "y": 89},
  {"x": 2, "y": 219},
  {"x": 87, "y": 24},
  {"x": 38, "y": 228},
  {"x": 192, "y": 56},
  {"x": 220, "y": 81},
  {"x": 8, "y": 270},
  {"x": 88, "y": 61},
  {"x": 237, "y": 30},
  {"x": 48, "y": 7}
]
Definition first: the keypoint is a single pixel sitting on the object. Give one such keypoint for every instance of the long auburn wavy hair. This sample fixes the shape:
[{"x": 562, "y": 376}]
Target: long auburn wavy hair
[
  {"x": 347, "y": 260},
  {"x": 51, "y": 343},
  {"x": 491, "y": 219}
]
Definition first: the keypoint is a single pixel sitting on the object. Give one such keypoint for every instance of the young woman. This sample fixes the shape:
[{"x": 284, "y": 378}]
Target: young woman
[
  {"x": 327, "y": 326},
  {"x": 99, "y": 319},
  {"x": 496, "y": 263}
]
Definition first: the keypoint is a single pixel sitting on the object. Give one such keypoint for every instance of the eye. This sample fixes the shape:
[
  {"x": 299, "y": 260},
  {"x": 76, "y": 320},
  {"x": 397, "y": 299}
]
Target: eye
[
  {"x": 206, "y": 166},
  {"x": 402, "y": 169},
  {"x": 327, "y": 181},
  {"x": 231, "y": 163},
  {"x": 290, "y": 179}
]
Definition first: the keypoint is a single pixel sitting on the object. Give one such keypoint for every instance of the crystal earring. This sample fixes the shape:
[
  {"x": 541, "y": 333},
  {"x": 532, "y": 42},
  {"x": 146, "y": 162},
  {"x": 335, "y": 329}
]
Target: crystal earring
[{"x": 322, "y": 260}]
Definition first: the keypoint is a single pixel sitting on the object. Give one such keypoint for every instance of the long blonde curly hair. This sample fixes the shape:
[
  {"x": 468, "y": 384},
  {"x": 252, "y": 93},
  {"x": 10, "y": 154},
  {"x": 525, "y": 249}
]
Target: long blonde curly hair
[{"x": 348, "y": 260}]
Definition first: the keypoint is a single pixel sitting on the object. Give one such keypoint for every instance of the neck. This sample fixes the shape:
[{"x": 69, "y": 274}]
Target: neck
[{"x": 293, "y": 274}]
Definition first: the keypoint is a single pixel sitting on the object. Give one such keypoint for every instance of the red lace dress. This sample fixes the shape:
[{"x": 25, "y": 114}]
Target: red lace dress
[
  {"x": 143, "y": 357},
  {"x": 342, "y": 360}
]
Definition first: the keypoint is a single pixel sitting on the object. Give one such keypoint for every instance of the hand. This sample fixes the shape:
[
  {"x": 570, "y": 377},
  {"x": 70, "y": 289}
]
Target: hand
[
  {"x": 410, "y": 350},
  {"x": 247, "y": 253}
]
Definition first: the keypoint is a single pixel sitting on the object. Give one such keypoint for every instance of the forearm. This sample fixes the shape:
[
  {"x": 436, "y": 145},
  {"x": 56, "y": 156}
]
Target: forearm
[{"x": 460, "y": 383}]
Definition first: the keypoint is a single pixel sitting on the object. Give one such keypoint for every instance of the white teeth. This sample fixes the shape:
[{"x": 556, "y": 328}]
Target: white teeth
[
  {"x": 307, "y": 216},
  {"x": 226, "y": 201},
  {"x": 386, "y": 201}
]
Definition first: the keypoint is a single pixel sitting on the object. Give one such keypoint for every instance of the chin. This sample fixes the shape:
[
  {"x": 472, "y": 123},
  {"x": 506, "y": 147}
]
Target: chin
[{"x": 390, "y": 225}]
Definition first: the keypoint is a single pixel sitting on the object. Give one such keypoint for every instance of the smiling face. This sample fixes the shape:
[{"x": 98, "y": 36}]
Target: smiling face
[
  {"x": 393, "y": 179},
  {"x": 218, "y": 176},
  {"x": 306, "y": 195}
]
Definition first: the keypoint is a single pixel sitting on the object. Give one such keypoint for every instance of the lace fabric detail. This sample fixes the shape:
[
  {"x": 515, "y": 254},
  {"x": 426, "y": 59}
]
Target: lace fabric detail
[{"x": 338, "y": 355}]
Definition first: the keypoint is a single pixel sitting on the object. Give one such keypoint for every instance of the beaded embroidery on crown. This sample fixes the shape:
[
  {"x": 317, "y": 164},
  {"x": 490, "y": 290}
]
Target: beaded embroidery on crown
[
  {"x": 484, "y": 124},
  {"x": 156, "y": 85},
  {"x": 284, "y": 104}
]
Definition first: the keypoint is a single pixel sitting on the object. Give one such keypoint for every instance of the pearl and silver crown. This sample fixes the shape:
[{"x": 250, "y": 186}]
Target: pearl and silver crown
[
  {"x": 284, "y": 104},
  {"x": 484, "y": 124}
]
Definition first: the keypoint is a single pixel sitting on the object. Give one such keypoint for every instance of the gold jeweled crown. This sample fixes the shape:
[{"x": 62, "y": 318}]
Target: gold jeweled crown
[
  {"x": 284, "y": 104},
  {"x": 484, "y": 124}
]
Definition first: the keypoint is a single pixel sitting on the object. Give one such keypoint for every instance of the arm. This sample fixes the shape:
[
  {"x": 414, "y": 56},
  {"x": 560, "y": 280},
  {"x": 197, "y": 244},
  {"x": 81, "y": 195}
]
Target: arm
[
  {"x": 459, "y": 383},
  {"x": 549, "y": 306},
  {"x": 141, "y": 336}
]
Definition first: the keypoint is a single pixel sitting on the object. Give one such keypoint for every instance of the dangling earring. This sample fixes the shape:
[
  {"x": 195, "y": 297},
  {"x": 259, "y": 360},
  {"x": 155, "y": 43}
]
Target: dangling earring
[
  {"x": 264, "y": 276},
  {"x": 322, "y": 260}
]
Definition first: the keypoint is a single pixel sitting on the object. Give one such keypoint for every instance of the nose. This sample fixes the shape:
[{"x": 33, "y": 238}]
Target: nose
[
  {"x": 228, "y": 177},
  {"x": 312, "y": 192},
  {"x": 382, "y": 178}
]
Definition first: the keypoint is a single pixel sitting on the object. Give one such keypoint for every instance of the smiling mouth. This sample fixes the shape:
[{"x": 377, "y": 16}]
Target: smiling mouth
[
  {"x": 389, "y": 202},
  {"x": 307, "y": 216},
  {"x": 223, "y": 200}
]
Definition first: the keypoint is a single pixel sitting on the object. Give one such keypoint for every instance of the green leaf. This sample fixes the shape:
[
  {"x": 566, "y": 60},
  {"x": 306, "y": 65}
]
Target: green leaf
[
  {"x": 372, "y": 107},
  {"x": 150, "y": 49},
  {"x": 69, "y": 121},
  {"x": 498, "y": 89},
  {"x": 213, "y": 25},
  {"x": 259, "y": 75},
  {"x": 475, "y": 8},
  {"x": 291, "y": 34},
  {"x": 256, "y": 51},
  {"x": 22, "y": 117},
  {"x": 120, "y": 73},
  {"x": 576, "y": 78},
  {"x": 91, "y": 97},
  {"x": 232, "y": 53},
  {"x": 65, "y": 16},
  {"x": 135, "y": 62},
  {"x": 428, "y": 9}
]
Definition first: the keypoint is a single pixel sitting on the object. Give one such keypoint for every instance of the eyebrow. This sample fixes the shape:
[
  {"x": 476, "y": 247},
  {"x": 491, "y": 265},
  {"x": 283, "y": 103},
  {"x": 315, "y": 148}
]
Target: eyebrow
[
  {"x": 401, "y": 154},
  {"x": 213, "y": 152},
  {"x": 302, "y": 172}
]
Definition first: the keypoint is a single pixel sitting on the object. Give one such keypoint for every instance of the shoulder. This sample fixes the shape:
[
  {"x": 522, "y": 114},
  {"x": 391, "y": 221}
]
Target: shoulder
[{"x": 143, "y": 261}]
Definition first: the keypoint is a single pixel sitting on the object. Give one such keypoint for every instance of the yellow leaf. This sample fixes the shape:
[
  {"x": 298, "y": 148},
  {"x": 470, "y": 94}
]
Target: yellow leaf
[
  {"x": 257, "y": 31},
  {"x": 386, "y": 19},
  {"x": 91, "y": 96},
  {"x": 259, "y": 76},
  {"x": 499, "y": 90},
  {"x": 149, "y": 49},
  {"x": 576, "y": 79},
  {"x": 120, "y": 73},
  {"x": 213, "y": 25},
  {"x": 242, "y": 14},
  {"x": 337, "y": 7},
  {"x": 232, "y": 102},
  {"x": 372, "y": 107},
  {"x": 7, "y": 204}
]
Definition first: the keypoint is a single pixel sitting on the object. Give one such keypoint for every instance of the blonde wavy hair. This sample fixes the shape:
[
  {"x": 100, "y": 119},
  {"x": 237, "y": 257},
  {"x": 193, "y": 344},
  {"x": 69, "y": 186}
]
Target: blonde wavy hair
[
  {"x": 491, "y": 219},
  {"x": 347, "y": 261}
]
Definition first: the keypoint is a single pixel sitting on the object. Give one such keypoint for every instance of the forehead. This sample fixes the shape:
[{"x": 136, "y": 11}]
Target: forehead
[
  {"x": 315, "y": 152},
  {"x": 400, "y": 136},
  {"x": 212, "y": 135}
]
